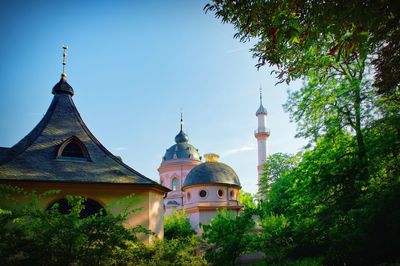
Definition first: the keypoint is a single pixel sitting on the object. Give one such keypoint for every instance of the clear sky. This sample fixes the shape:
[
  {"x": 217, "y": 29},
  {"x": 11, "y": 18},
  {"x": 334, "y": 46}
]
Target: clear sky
[{"x": 134, "y": 65}]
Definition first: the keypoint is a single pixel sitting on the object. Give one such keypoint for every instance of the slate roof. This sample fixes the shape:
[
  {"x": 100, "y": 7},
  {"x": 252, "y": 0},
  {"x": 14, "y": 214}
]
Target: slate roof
[
  {"x": 211, "y": 173},
  {"x": 261, "y": 110},
  {"x": 182, "y": 149},
  {"x": 35, "y": 158}
]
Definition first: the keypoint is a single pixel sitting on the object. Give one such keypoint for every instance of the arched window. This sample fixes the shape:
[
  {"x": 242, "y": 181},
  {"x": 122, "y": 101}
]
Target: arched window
[
  {"x": 73, "y": 148},
  {"x": 174, "y": 184},
  {"x": 90, "y": 207}
]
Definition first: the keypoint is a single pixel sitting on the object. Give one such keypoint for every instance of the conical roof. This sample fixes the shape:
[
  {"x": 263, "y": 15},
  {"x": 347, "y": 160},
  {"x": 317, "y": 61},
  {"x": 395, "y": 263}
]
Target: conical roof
[
  {"x": 35, "y": 156},
  {"x": 261, "y": 110}
]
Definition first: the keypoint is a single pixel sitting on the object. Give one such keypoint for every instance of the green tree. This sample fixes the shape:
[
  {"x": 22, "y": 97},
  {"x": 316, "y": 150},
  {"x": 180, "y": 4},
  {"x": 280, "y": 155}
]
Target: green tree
[
  {"x": 30, "y": 235},
  {"x": 228, "y": 236},
  {"x": 298, "y": 36},
  {"x": 177, "y": 225},
  {"x": 246, "y": 199},
  {"x": 338, "y": 200},
  {"x": 177, "y": 251},
  {"x": 276, "y": 239},
  {"x": 276, "y": 166}
]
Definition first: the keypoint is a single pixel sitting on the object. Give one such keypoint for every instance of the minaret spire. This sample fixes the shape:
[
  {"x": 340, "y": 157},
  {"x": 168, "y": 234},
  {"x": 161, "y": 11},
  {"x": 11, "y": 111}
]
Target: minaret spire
[
  {"x": 181, "y": 122},
  {"x": 64, "y": 63},
  {"x": 260, "y": 95}
]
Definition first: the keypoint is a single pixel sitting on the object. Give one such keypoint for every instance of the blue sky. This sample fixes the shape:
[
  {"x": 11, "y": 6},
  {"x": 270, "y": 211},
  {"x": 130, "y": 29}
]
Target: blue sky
[{"x": 134, "y": 66}]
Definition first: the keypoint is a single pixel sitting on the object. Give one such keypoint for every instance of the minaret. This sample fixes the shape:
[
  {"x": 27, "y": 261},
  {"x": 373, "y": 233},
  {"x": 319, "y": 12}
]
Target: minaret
[{"x": 262, "y": 133}]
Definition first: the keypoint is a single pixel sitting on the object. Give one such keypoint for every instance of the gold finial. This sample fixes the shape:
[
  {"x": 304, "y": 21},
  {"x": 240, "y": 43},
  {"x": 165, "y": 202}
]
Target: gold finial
[
  {"x": 211, "y": 157},
  {"x": 64, "y": 75}
]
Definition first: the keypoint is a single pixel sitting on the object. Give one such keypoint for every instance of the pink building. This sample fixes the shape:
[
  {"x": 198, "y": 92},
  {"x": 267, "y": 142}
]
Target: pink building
[
  {"x": 199, "y": 188},
  {"x": 177, "y": 162}
]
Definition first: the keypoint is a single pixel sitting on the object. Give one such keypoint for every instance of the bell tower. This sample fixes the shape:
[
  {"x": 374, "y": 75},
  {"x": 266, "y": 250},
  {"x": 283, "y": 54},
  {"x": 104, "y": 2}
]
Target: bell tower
[{"x": 262, "y": 134}]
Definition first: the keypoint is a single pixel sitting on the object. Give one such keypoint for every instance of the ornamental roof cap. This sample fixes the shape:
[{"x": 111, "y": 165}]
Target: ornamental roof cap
[{"x": 261, "y": 109}]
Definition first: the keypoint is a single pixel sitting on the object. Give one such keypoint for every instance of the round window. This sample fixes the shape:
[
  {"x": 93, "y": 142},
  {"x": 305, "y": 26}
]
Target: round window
[
  {"x": 203, "y": 193},
  {"x": 220, "y": 193}
]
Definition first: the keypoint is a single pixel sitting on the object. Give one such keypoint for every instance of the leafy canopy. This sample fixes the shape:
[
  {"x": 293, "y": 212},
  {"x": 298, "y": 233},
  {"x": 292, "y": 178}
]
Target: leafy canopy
[{"x": 299, "y": 36}]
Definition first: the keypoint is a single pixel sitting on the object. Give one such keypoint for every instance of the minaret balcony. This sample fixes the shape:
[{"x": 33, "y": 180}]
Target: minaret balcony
[{"x": 262, "y": 132}]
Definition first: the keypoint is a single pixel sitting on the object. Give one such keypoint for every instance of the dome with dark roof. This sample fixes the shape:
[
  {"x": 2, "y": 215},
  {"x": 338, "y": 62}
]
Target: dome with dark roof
[
  {"x": 182, "y": 149},
  {"x": 181, "y": 137},
  {"x": 62, "y": 86},
  {"x": 211, "y": 172}
]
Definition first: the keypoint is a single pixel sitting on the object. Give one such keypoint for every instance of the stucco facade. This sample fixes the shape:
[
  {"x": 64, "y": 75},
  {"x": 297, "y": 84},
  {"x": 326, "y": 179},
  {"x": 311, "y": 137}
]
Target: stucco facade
[
  {"x": 212, "y": 186},
  {"x": 61, "y": 153},
  {"x": 149, "y": 202}
]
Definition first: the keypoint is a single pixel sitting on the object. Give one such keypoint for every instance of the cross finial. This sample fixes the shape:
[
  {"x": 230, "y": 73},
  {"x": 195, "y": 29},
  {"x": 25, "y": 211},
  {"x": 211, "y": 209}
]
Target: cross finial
[{"x": 64, "y": 75}]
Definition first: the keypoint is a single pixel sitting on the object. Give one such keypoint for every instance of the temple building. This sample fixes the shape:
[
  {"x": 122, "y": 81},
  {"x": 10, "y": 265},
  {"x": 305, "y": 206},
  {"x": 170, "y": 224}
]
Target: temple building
[
  {"x": 199, "y": 188},
  {"x": 61, "y": 153}
]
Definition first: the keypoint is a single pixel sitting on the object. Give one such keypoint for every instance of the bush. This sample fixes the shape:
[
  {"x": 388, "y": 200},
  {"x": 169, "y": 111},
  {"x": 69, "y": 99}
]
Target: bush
[
  {"x": 177, "y": 225},
  {"x": 32, "y": 236},
  {"x": 228, "y": 236}
]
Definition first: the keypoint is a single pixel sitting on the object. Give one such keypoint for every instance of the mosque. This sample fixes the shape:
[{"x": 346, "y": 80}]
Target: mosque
[
  {"x": 61, "y": 153},
  {"x": 203, "y": 188}
]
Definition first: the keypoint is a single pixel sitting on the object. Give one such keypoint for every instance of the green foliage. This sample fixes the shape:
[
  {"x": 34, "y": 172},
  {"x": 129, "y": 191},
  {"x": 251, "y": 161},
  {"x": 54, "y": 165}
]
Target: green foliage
[
  {"x": 336, "y": 201},
  {"x": 276, "y": 239},
  {"x": 228, "y": 236},
  {"x": 179, "y": 251},
  {"x": 276, "y": 166},
  {"x": 299, "y": 36},
  {"x": 177, "y": 225},
  {"x": 330, "y": 211},
  {"x": 246, "y": 199},
  {"x": 30, "y": 235}
]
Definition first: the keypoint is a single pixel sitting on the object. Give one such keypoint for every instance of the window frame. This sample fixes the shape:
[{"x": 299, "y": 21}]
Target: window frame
[
  {"x": 177, "y": 183},
  {"x": 79, "y": 143},
  {"x": 205, "y": 196}
]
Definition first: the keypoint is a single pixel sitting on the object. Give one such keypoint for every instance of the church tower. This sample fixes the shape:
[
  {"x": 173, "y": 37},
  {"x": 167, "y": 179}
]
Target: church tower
[{"x": 262, "y": 134}]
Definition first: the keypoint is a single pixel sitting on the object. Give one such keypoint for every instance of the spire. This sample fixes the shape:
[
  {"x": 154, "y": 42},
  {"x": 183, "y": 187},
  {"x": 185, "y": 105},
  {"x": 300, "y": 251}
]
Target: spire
[
  {"x": 261, "y": 109},
  {"x": 181, "y": 120},
  {"x": 64, "y": 63},
  {"x": 181, "y": 137},
  {"x": 62, "y": 86}
]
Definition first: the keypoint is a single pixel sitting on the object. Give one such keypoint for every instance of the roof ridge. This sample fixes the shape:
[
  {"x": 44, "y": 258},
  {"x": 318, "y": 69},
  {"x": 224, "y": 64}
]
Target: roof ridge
[
  {"x": 30, "y": 138},
  {"x": 101, "y": 146}
]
